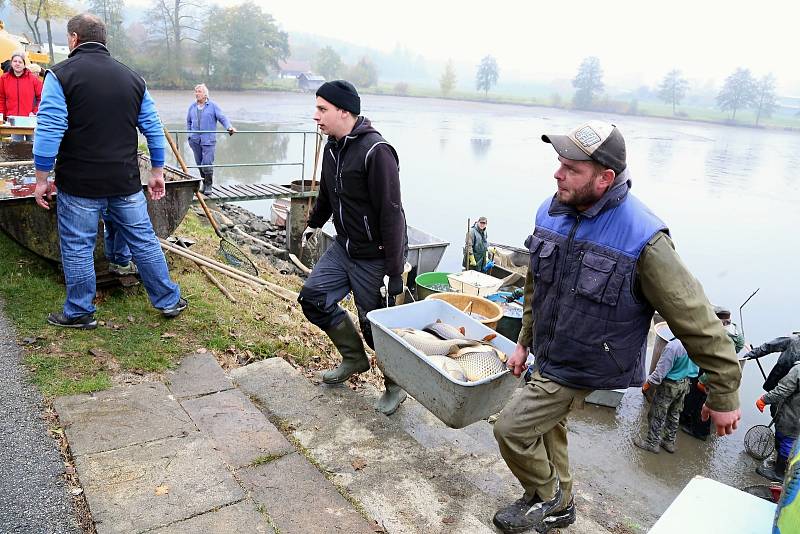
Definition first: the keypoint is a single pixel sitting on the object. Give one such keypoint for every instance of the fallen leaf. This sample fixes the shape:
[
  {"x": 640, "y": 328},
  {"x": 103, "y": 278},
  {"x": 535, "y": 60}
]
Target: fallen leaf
[
  {"x": 378, "y": 528},
  {"x": 359, "y": 464},
  {"x": 167, "y": 335},
  {"x": 131, "y": 319},
  {"x": 76, "y": 491},
  {"x": 28, "y": 340},
  {"x": 202, "y": 350},
  {"x": 163, "y": 489},
  {"x": 448, "y": 520}
]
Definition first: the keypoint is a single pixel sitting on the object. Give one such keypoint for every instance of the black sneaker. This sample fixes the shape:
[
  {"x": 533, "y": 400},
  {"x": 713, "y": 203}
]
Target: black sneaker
[
  {"x": 521, "y": 516},
  {"x": 562, "y": 518},
  {"x": 85, "y": 322},
  {"x": 175, "y": 310}
]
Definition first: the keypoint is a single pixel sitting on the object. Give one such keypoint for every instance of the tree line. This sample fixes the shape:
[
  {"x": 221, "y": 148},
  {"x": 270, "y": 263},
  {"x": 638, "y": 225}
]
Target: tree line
[
  {"x": 741, "y": 90},
  {"x": 182, "y": 42}
]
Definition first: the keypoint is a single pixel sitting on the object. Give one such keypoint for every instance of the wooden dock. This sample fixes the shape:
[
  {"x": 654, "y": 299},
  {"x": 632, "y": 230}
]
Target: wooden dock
[{"x": 240, "y": 192}]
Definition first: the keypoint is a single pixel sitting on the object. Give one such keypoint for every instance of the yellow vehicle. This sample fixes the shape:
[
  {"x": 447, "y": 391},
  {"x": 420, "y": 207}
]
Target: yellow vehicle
[{"x": 10, "y": 43}]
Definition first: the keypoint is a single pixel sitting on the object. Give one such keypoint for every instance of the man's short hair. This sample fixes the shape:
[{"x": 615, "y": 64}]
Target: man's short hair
[{"x": 88, "y": 28}]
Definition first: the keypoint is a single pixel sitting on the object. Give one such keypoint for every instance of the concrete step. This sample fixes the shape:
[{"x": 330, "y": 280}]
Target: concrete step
[{"x": 410, "y": 472}]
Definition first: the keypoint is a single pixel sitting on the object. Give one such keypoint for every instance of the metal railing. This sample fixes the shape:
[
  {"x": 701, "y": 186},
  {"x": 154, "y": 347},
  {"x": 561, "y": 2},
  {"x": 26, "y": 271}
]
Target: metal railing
[{"x": 301, "y": 163}]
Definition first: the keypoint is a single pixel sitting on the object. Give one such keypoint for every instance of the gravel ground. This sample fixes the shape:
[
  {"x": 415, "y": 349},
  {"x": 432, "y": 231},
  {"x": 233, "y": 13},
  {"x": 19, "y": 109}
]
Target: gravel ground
[{"x": 33, "y": 496}]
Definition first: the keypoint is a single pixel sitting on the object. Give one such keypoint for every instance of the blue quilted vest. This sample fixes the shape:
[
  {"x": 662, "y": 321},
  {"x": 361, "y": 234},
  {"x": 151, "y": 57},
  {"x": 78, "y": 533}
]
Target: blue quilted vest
[{"x": 590, "y": 328}]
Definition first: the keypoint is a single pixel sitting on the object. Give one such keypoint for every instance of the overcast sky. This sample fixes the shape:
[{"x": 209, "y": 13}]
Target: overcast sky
[{"x": 636, "y": 41}]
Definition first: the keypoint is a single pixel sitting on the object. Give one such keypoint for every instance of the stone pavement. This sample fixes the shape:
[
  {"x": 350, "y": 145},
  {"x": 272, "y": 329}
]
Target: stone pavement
[
  {"x": 409, "y": 471},
  {"x": 195, "y": 455}
]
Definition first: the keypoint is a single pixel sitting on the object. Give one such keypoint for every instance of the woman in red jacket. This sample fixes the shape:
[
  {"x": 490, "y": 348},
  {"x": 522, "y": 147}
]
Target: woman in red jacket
[{"x": 20, "y": 92}]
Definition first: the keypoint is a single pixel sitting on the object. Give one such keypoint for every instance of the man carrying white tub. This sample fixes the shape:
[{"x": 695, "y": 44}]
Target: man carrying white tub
[
  {"x": 360, "y": 188},
  {"x": 600, "y": 263}
]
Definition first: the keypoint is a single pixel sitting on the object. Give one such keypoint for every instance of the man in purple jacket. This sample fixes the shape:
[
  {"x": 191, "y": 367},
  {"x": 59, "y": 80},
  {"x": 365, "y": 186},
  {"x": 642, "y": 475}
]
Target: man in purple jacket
[{"x": 203, "y": 116}]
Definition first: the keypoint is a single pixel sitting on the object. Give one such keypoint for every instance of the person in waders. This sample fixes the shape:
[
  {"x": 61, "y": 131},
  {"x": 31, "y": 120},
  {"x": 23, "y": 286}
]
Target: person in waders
[
  {"x": 672, "y": 378},
  {"x": 786, "y": 395},
  {"x": 600, "y": 264},
  {"x": 203, "y": 115},
  {"x": 360, "y": 189},
  {"x": 478, "y": 256}
]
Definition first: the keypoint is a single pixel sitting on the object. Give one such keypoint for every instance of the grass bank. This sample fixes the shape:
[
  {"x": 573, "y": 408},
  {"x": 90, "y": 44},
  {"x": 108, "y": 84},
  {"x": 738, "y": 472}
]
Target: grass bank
[{"x": 133, "y": 340}]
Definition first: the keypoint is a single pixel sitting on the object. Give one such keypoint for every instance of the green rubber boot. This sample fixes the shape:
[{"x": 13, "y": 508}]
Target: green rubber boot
[
  {"x": 391, "y": 399},
  {"x": 354, "y": 358}
]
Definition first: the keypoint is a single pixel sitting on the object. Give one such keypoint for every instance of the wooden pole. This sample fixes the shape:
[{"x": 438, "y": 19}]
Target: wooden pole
[
  {"x": 197, "y": 194},
  {"x": 210, "y": 276}
]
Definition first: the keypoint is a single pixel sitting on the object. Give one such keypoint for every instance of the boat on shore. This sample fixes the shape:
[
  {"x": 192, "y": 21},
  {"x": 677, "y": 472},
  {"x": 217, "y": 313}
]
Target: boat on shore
[{"x": 36, "y": 229}]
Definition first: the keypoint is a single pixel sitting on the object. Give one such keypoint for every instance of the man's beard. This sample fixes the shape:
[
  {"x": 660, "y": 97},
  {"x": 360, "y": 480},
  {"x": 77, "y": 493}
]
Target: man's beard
[{"x": 583, "y": 197}]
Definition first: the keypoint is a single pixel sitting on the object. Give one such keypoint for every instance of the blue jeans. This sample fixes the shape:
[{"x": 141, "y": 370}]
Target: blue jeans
[
  {"x": 22, "y": 137},
  {"x": 78, "y": 218},
  {"x": 116, "y": 249}
]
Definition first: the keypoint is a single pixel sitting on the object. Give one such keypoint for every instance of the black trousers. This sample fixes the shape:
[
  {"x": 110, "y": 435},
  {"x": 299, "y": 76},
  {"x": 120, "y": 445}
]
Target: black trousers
[{"x": 334, "y": 276}]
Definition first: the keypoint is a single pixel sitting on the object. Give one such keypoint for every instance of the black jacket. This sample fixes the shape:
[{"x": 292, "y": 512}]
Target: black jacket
[{"x": 360, "y": 188}]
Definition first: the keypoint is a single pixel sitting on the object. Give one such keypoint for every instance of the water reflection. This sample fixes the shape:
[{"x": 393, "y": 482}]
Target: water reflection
[
  {"x": 730, "y": 165},
  {"x": 480, "y": 146},
  {"x": 481, "y": 140},
  {"x": 249, "y": 148}
]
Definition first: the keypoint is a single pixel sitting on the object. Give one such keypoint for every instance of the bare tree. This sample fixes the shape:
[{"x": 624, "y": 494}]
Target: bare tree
[
  {"x": 764, "y": 102},
  {"x": 739, "y": 91},
  {"x": 32, "y": 11},
  {"x": 673, "y": 88},
  {"x": 175, "y": 24}
]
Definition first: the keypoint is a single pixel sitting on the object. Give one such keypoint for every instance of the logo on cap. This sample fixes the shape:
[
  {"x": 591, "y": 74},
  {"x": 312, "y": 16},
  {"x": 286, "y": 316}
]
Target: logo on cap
[{"x": 586, "y": 136}]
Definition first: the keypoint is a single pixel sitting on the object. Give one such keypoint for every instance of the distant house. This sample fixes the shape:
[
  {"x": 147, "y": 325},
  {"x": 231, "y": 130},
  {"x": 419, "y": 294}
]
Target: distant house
[
  {"x": 309, "y": 83},
  {"x": 293, "y": 69}
]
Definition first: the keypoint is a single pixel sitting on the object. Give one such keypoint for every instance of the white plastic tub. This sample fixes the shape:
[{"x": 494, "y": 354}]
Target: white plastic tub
[
  {"x": 457, "y": 404},
  {"x": 474, "y": 283}
]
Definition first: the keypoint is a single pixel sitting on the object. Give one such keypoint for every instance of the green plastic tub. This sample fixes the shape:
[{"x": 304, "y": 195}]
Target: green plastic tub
[{"x": 426, "y": 281}]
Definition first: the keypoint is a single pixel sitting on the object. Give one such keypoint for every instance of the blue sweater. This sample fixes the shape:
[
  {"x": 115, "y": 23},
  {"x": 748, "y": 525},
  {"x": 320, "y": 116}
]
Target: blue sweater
[
  {"x": 209, "y": 116},
  {"x": 51, "y": 123}
]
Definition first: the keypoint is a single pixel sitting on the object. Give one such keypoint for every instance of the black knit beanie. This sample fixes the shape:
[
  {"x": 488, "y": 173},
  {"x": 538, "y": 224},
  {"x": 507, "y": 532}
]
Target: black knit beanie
[{"x": 341, "y": 94}]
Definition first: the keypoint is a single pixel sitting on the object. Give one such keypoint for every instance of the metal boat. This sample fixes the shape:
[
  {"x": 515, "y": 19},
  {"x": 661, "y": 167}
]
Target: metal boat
[{"x": 36, "y": 229}]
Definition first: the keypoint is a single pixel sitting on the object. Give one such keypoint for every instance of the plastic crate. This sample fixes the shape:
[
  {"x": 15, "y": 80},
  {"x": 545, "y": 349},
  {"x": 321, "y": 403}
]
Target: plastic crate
[
  {"x": 457, "y": 404},
  {"x": 474, "y": 283}
]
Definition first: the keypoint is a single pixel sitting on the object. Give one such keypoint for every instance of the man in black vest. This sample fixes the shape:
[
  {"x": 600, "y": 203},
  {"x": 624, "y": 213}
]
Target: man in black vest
[
  {"x": 360, "y": 188},
  {"x": 600, "y": 263},
  {"x": 91, "y": 108}
]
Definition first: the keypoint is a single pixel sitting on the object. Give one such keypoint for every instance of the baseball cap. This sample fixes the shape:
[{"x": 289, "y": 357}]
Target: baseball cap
[
  {"x": 592, "y": 141},
  {"x": 721, "y": 310}
]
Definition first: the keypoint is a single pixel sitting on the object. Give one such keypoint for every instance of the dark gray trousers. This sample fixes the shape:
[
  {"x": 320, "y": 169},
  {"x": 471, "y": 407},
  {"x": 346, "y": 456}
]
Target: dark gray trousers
[{"x": 334, "y": 276}]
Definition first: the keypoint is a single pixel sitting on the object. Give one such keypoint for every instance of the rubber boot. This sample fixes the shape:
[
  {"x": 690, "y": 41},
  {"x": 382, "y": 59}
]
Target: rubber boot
[
  {"x": 391, "y": 399},
  {"x": 208, "y": 182},
  {"x": 354, "y": 358},
  {"x": 774, "y": 473}
]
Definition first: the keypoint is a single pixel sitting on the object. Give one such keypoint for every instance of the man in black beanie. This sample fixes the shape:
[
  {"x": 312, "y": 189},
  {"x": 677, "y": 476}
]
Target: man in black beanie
[{"x": 360, "y": 188}]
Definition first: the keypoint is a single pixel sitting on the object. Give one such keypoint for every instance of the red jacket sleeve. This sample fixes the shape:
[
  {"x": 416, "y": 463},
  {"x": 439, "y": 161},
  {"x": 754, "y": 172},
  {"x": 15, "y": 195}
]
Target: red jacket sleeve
[{"x": 37, "y": 93}]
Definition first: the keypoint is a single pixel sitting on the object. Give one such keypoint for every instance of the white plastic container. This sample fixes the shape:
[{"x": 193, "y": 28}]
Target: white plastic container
[
  {"x": 457, "y": 404},
  {"x": 474, "y": 283}
]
